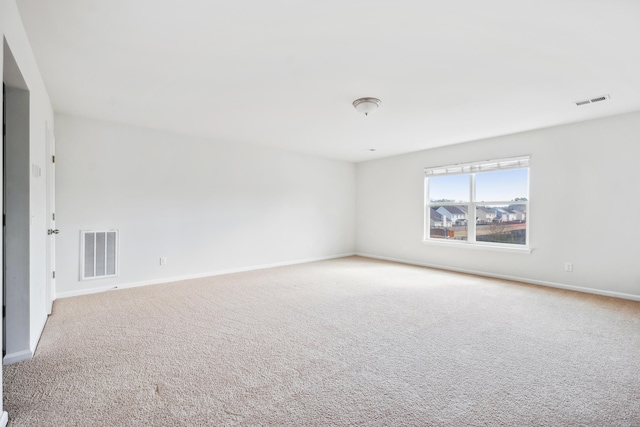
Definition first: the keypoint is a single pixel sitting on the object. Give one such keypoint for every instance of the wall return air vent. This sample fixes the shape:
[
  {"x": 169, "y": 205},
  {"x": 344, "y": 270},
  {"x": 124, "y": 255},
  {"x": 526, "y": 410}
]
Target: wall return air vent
[
  {"x": 98, "y": 254},
  {"x": 592, "y": 100}
]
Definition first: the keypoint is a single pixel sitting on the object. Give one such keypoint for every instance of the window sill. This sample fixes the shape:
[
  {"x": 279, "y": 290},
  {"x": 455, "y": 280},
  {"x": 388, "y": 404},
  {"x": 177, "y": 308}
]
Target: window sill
[{"x": 480, "y": 246}]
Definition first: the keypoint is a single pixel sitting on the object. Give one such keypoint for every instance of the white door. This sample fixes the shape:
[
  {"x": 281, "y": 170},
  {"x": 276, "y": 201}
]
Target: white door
[{"x": 51, "y": 215}]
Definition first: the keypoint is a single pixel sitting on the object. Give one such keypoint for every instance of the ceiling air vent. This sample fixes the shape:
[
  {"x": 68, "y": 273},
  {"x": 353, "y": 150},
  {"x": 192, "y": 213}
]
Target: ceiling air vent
[
  {"x": 600, "y": 98},
  {"x": 592, "y": 100}
]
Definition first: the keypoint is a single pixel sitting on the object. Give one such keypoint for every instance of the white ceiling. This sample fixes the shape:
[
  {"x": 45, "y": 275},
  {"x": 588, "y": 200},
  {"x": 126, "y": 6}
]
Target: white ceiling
[{"x": 283, "y": 73}]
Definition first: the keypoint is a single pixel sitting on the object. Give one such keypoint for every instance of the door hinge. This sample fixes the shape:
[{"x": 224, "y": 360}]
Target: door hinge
[
  {"x": 4, "y": 311},
  {"x": 53, "y": 216},
  {"x": 54, "y": 274},
  {"x": 53, "y": 159}
]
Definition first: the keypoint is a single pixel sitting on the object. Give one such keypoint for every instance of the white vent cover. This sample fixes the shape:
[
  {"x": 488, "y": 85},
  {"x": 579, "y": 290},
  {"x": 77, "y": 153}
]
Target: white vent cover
[
  {"x": 98, "y": 254},
  {"x": 592, "y": 100}
]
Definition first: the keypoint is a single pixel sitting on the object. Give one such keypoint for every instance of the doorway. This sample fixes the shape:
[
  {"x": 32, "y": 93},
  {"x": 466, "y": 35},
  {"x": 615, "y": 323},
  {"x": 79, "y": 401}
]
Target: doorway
[{"x": 16, "y": 172}]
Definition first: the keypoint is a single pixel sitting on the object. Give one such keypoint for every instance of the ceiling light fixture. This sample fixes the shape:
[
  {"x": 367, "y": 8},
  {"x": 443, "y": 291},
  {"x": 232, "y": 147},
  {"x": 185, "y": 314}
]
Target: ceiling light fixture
[{"x": 366, "y": 105}]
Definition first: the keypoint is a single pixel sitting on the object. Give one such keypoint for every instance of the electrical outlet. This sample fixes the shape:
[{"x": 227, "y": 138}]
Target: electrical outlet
[
  {"x": 163, "y": 260},
  {"x": 568, "y": 267}
]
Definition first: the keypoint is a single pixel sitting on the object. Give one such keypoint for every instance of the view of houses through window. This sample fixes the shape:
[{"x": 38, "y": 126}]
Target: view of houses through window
[{"x": 479, "y": 202}]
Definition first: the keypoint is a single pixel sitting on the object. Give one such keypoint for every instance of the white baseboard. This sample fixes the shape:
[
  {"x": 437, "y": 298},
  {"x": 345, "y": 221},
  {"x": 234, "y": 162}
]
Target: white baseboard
[
  {"x": 194, "y": 276},
  {"x": 512, "y": 278},
  {"x": 4, "y": 419},
  {"x": 20, "y": 356}
]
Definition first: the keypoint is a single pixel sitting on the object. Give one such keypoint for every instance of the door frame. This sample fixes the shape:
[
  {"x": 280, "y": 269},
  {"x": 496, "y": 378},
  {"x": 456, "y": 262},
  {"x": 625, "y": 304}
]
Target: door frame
[{"x": 51, "y": 219}]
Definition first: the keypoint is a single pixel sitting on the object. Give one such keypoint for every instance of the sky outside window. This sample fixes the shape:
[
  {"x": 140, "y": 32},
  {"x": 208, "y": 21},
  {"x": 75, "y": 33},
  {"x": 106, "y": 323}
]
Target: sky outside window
[
  {"x": 502, "y": 185},
  {"x": 449, "y": 187}
]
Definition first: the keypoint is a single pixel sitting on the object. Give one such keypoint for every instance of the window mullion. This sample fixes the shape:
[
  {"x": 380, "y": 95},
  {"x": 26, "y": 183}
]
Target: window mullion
[{"x": 471, "y": 210}]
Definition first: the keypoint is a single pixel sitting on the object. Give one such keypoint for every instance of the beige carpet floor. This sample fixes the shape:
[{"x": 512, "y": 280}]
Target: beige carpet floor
[{"x": 346, "y": 342}]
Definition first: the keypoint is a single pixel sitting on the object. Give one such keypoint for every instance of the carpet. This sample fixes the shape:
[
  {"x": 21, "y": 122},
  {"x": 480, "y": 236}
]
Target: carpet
[{"x": 345, "y": 342}]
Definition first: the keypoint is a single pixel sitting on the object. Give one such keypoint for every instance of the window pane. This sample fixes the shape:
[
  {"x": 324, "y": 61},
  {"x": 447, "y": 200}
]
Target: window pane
[
  {"x": 502, "y": 224},
  {"x": 448, "y": 222},
  {"x": 510, "y": 184},
  {"x": 450, "y": 188}
]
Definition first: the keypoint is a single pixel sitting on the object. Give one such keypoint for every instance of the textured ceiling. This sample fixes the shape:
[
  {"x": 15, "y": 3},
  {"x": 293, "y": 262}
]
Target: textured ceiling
[{"x": 283, "y": 73}]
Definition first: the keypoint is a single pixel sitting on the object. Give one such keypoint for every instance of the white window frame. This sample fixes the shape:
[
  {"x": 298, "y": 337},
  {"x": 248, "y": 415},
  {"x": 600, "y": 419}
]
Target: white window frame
[{"x": 471, "y": 169}]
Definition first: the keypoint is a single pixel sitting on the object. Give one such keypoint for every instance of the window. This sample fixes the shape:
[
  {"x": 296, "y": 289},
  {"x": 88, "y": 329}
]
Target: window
[{"x": 479, "y": 203}]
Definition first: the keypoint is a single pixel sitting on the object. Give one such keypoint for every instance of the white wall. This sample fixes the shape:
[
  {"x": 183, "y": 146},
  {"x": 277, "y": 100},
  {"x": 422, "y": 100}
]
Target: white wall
[
  {"x": 207, "y": 206},
  {"x": 580, "y": 175}
]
